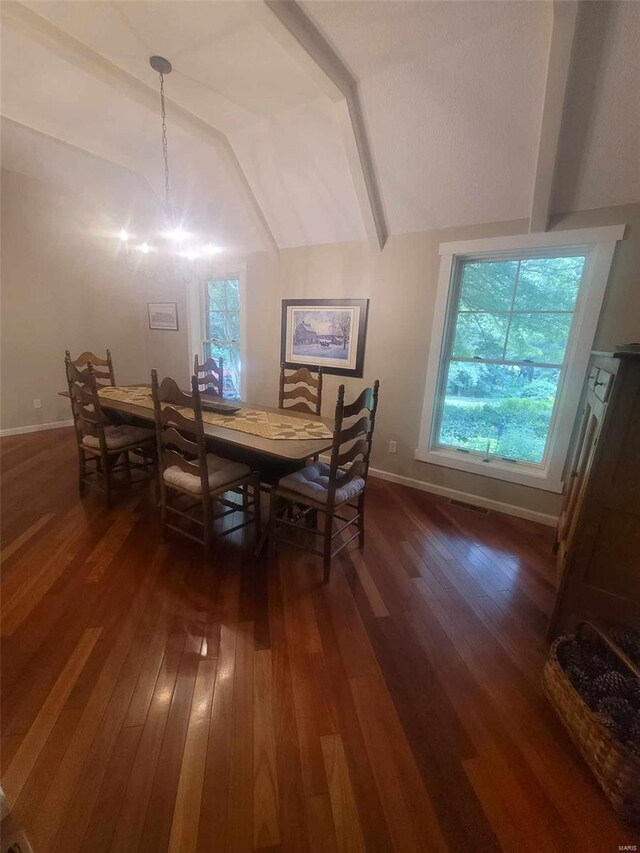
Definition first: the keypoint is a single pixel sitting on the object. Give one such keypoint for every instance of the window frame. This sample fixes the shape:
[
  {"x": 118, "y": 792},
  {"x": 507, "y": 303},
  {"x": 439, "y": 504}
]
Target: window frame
[
  {"x": 598, "y": 244},
  {"x": 198, "y": 316}
]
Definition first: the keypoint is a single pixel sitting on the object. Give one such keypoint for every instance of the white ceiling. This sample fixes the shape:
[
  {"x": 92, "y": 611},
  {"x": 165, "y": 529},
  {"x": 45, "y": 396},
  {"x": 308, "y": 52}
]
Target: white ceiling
[
  {"x": 451, "y": 94},
  {"x": 225, "y": 70},
  {"x": 599, "y": 161}
]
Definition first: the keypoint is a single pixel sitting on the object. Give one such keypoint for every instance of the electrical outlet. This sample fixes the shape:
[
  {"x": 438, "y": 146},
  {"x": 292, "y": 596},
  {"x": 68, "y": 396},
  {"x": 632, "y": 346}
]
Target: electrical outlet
[
  {"x": 393, "y": 447},
  {"x": 37, "y": 404}
]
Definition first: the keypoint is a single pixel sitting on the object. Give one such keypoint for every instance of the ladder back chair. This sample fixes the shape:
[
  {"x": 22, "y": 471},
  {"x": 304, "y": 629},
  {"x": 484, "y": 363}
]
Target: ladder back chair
[
  {"x": 210, "y": 375},
  {"x": 331, "y": 489},
  {"x": 77, "y": 371},
  {"x": 302, "y": 387},
  {"x": 78, "y": 367},
  {"x": 104, "y": 448},
  {"x": 193, "y": 483}
]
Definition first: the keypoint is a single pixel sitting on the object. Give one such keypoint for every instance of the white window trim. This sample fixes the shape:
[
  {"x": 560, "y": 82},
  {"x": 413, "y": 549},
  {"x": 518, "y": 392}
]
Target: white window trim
[
  {"x": 196, "y": 326},
  {"x": 601, "y": 243}
]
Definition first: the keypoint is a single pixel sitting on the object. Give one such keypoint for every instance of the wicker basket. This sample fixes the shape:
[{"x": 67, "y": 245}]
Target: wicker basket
[{"x": 616, "y": 767}]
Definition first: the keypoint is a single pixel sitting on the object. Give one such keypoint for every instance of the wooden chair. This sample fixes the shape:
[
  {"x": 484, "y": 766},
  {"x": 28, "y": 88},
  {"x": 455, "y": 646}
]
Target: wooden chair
[
  {"x": 104, "y": 448},
  {"x": 77, "y": 367},
  {"x": 190, "y": 478},
  {"x": 210, "y": 375},
  {"x": 330, "y": 488},
  {"x": 303, "y": 387}
]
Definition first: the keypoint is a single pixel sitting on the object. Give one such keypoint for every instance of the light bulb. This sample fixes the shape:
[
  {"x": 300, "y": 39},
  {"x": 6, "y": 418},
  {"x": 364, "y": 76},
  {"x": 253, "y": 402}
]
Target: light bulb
[
  {"x": 176, "y": 234},
  {"x": 145, "y": 248},
  {"x": 123, "y": 234},
  {"x": 190, "y": 254},
  {"x": 213, "y": 250}
]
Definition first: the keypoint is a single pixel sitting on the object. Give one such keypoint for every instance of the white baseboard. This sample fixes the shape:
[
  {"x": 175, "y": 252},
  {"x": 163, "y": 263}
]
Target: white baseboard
[
  {"x": 35, "y": 428},
  {"x": 488, "y": 503}
]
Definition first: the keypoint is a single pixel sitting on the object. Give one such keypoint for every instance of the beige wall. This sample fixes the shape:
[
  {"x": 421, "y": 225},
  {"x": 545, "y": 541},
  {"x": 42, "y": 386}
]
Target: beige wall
[
  {"x": 60, "y": 289},
  {"x": 401, "y": 284},
  {"x": 170, "y": 352},
  {"x": 64, "y": 288}
]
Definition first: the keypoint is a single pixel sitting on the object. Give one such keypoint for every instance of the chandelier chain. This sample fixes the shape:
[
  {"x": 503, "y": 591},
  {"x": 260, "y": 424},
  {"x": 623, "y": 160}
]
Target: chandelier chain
[{"x": 165, "y": 151}]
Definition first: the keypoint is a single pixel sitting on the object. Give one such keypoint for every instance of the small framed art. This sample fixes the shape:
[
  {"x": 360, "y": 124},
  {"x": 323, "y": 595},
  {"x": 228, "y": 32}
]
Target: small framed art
[{"x": 163, "y": 315}]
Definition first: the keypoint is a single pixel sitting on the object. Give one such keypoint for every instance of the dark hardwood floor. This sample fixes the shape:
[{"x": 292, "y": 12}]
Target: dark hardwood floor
[{"x": 152, "y": 701}]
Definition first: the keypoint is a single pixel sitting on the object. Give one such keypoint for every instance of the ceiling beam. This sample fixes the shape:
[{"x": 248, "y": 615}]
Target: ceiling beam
[
  {"x": 298, "y": 35},
  {"x": 74, "y": 51},
  {"x": 565, "y": 13}
]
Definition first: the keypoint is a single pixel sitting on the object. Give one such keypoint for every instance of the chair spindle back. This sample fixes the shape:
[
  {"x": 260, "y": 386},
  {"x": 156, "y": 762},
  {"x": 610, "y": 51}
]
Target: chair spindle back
[
  {"x": 174, "y": 448},
  {"x": 77, "y": 367},
  {"x": 209, "y": 375},
  {"x": 301, "y": 384},
  {"x": 88, "y": 416},
  {"x": 353, "y": 462}
]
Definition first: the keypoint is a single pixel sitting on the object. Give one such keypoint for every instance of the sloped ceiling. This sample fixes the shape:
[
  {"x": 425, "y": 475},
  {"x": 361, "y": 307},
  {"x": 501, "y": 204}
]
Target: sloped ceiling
[
  {"x": 452, "y": 93},
  {"x": 451, "y": 96}
]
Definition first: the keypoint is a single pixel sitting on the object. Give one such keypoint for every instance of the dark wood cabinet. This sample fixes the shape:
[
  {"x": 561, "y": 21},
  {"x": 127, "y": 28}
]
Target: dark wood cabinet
[{"x": 598, "y": 536}]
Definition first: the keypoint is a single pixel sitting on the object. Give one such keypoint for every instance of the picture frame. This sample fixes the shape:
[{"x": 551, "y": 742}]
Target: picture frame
[
  {"x": 163, "y": 316},
  {"x": 327, "y": 333}
]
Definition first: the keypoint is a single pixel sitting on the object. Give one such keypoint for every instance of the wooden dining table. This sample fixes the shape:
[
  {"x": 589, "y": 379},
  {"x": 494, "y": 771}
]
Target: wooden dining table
[{"x": 241, "y": 446}]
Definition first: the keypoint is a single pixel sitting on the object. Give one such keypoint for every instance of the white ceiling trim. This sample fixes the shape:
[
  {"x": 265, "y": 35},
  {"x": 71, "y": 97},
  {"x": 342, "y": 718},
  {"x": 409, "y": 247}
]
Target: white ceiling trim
[
  {"x": 565, "y": 13},
  {"x": 297, "y": 34},
  {"x": 83, "y": 57}
]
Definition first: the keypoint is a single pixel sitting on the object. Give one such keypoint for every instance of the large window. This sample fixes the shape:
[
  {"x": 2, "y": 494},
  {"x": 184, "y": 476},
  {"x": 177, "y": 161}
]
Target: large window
[
  {"x": 513, "y": 326},
  {"x": 222, "y": 330},
  {"x": 508, "y": 330}
]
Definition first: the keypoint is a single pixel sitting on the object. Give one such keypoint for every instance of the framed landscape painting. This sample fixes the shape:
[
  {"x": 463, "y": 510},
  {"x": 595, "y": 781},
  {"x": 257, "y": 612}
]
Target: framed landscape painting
[{"x": 326, "y": 333}]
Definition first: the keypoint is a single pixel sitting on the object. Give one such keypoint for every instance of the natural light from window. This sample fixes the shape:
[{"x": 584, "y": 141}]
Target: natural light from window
[
  {"x": 505, "y": 344},
  {"x": 222, "y": 330}
]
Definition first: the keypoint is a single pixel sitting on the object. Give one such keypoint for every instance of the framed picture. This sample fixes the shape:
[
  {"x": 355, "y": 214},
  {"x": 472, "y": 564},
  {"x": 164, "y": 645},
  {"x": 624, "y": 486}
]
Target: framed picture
[
  {"x": 163, "y": 315},
  {"x": 327, "y": 333}
]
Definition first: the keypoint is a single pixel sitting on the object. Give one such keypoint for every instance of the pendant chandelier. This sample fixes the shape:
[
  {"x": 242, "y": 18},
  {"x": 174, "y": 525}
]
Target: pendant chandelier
[
  {"x": 174, "y": 240},
  {"x": 163, "y": 66}
]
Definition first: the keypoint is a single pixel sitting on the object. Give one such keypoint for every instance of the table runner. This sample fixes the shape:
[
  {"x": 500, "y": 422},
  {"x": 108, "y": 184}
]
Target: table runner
[{"x": 253, "y": 421}]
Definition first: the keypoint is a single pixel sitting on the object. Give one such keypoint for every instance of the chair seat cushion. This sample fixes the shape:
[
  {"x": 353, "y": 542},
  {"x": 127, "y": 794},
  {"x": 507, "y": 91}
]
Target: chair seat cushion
[
  {"x": 221, "y": 472},
  {"x": 313, "y": 482},
  {"x": 120, "y": 436}
]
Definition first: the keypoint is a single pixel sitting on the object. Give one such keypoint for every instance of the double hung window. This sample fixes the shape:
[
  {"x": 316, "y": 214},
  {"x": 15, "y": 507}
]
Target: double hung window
[{"x": 513, "y": 326}]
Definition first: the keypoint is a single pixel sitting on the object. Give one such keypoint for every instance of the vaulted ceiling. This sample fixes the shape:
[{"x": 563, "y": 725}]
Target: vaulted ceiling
[{"x": 324, "y": 121}]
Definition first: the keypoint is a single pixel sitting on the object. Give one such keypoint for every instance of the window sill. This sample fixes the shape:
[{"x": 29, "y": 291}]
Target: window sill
[{"x": 511, "y": 472}]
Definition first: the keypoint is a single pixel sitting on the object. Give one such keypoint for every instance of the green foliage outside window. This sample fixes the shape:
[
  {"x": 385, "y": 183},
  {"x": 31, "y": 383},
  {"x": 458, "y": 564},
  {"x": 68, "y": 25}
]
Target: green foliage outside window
[
  {"x": 223, "y": 330},
  {"x": 508, "y": 311}
]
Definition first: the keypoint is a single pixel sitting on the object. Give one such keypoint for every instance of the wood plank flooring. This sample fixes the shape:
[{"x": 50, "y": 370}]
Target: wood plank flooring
[{"x": 152, "y": 701}]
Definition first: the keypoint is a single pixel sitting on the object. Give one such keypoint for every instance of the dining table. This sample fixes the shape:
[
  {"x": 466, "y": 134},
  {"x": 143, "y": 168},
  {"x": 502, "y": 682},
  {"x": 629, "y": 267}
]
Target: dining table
[{"x": 265, "y": 453}]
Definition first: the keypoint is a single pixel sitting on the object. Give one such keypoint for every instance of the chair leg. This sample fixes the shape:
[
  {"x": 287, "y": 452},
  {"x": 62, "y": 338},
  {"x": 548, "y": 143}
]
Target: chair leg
[
  {"x": 272, "y": 529},
  {"x": 106, "y": 478},
  {"x": 361, "y": 521},
  {"x": 81, "y": 473},
  {"x": 257, "y": 510},
  {"x": 127, "y": 465},
  {"x": 326, "y": 551},
  {"x": 207, "y": 542},
  {"x": 208, "y": 524},
  {"x": 163, "y": 509},
  {"x": 156, "y": 474},
  {"x": 163, "y": 523}
]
